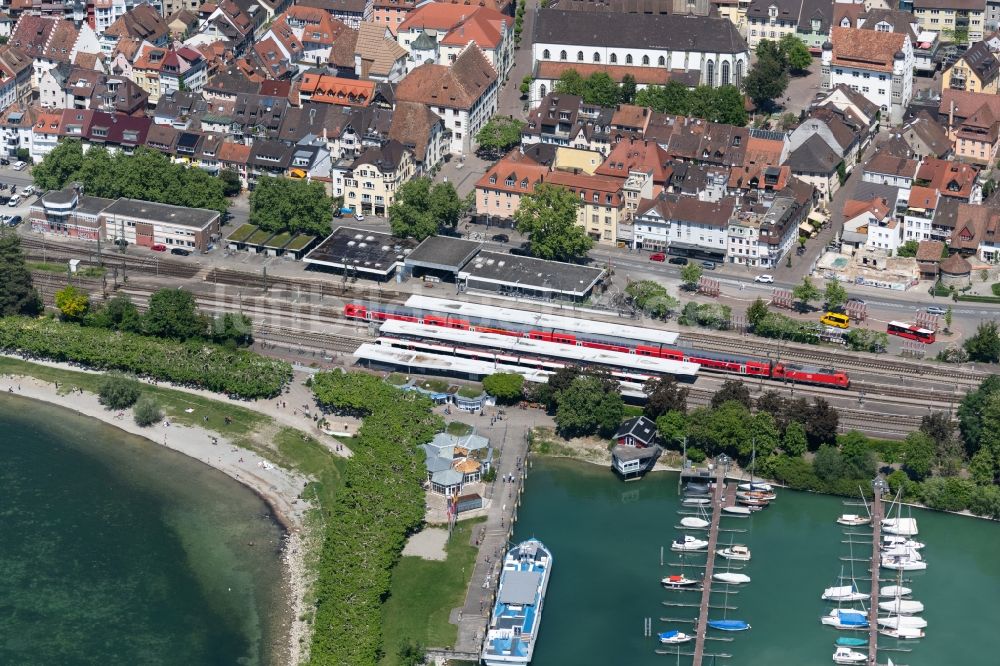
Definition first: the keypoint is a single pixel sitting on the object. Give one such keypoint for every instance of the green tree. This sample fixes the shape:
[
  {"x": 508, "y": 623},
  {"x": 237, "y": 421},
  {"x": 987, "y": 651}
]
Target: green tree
[
  {"x": 835, "y": 293},
  {"x": 805, "y": 293},
  {"x": 232, "y": 329},
  {"x": 795, "y": 53},
  {"x": 73, "y": 303},
  {"x": 690, "y": 275},
  {"x": 728, "y": 107},
  {"x": 664, "y": 394},
  {"x": 672, "y": 98},
  {"x": 411, "y": 654},
  {"x": 822, "y": 423},
  {"x": 231, "y": 183},
  {"x": 118, "y": 313},
  {"x": 628, "y": 89},
  {"x": 118, "y": 391},
  {"x": 601, "y": 90},
  {"x": 859, "y": 458},
  {"x": 525, "y": 86},
  {"x": 948, "y": 318},
  {"x": 53, "y": 172},
  {"x": 548, "y": 217},
  {"x": 293, "y": 205},
  {"x": 919, "y": 455},
  {"x": 794, "y": 442},
  {"x": 756, "y": 312},
  {"x": 506, "y": 387},
  {"x": 652, "y": 298},
  {"x": 672, "y": 427},
  {"x": 769, "y": 77},
  {"x": 908, "y": 249},
  {"x": 172, "y": 314},
  {"x": 570, "y": 83},
  {"x": 587, "y": 407},
  {"x": 147, "y": 411},
  {"x": 732, "y": 390},
  {"x": 984, "y": 346},
  {"x": 423, "y": 209},
  {"x": 829, "y": 463},
  {"x": 971, "y": 410},
  {"x": 500, "y": 134},
  {"x": 17, "y": 293}
]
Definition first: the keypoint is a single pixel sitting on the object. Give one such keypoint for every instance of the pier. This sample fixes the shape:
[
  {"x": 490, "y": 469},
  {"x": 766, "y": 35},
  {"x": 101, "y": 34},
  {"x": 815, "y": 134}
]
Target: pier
[
  {"x": 719, "y": 499},
  {"x": 877, "y": 513}
]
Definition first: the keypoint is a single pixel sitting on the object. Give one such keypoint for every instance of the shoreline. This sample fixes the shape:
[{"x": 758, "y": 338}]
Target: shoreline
[{"x": 280, "y": 489}]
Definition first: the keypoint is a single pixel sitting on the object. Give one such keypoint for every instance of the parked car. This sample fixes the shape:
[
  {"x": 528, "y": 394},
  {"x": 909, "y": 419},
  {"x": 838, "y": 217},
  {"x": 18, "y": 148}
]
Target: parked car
[
  {"x": 936, "y": 310},
  {"x": 4, "y": 161},
  {"x": 19, "y": 165},
  {"x": 14, "y": 201},
  {"x": 28, "y": 191},
  {"x": 159, "y": 247},
  {"x": 359, "y": 217},
  {"x": 708, "y": 265},
  {"x": 501, "y": 238},
  {"x": 659, "y": 256},
  {"x": 765, "y": 279},
  {"x": 14, "y": 220},
  {"x": 855, "y": 299},
  {"x": 678, "y": 261},
  {"x": 180, "y": 252}
]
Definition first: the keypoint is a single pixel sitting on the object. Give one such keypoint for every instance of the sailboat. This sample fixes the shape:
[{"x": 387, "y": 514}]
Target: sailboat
[
  {"x": 679, "y": 581},
  {"x": 694, "y": 522},
  {"x": 902, "y": 633},
  {"x": 902, "y": 606},
  {"x": 894, "y": 591},
  {"x": 674, "y": 637},
  {"x": 843, "y": 592},
  {"x": 898, "y": 526},
  {"x": 903, "y": 622},
  {"x": 846, "y": 619},
  {"x": 847, "y": 641},
  {"x": 728, "y": 625},
  {"x": 731, "y": 578},
  {"x": 853, "y": 520}
]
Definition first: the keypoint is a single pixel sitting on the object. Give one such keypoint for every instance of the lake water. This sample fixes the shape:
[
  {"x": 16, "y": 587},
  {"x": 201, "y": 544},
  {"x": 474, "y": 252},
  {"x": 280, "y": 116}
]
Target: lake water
[
  {"x": 114, "y": 550},
  {"x": 606, "y": 537}
]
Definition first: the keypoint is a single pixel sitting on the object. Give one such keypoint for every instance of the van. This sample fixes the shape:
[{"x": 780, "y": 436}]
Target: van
[{"x": 835, "y": 319}]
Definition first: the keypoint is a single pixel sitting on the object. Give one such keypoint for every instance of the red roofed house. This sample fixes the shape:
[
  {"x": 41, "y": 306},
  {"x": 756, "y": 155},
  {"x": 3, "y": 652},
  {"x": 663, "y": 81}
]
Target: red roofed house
[
  {"x": 336, "y": 90},
  {"x": 50, "y": 41},
  {"x": 879, "y": 65},
  {"x": 918, "y": 220},
  {"x": 161, "y": 71},
  {"x": 872, "y": 224},
  {"x": 951, "y": 179},
  {"x": 602, "y": 203},
  {"x": 44, "y": 135},
  {"x": 453, "y": 26},
  {"x": 499, "y": 191},
  {"x": 15, "y": 77}
]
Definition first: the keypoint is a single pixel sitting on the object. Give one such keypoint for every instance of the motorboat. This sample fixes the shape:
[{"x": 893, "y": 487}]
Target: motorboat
[
  {"x": 696, "y": 501},
  {"x": 728, "y": 625},
  {"x": 843, "y": 593},
  {"x": 900, "y": 526},
  {"x": 737, "y": 510},
  {"x": 845, "y": 655},
  {"x": 731, "y": 578},
  {"x": 694, "y": 523},
  {"x": 755, "y": 494},
  {"x": 901, "y": 551},
  {"x": 847, "y": 641},
  {"x": 846, "y": 619},
  {"x": 902, "y": 633},
  {"x": 697, "y": 489},
  {"x": 853, "y": 520},
  {"x": 756, "y": 485},
  {"x": 894, "y": 541},
  {"x": 894, "y": 591},
  {"x": 903, "y": 622},
  {"x": 745, "y": 500},
  {"x": 688, "y": 543},
  {"x": 902, "y": 606},
  {"x": 738, "y": 552},
  {"x": 517, "y": 613},
  {"x": 674, "y": 637},
  {"x": 679, "y": 581}
]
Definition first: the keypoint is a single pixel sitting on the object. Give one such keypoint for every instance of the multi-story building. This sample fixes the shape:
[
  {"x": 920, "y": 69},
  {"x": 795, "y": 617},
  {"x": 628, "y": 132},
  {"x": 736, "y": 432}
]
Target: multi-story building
[
  {"x": 160, "y": 71},
  {"x": 709, "y": 46},
  {"x": 760, "y": 236},
  {"x": 809, "y": 20},
  {"x": 566, "y": 120},
  {"x": 15, "y": 77},
  {"x": 464, "y": 95},
  {"x": 452, "y": 27},
  {"x": 977, "y": 70},
  {"x": 960, "y": 21},
  {"x": 499, "y": 191},
  {"x": 684, "y": 225},
  {"x": 918, "y": 220},
  {"x": 374, "y": 178},
  {"x": 392, "y": 13},
  {"x": 602, "y": 204},
  {"x": 879, "y": 65}
]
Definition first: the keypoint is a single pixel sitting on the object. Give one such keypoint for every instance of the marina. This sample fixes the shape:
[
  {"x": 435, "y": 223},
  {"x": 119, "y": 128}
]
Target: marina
[{"x": 588, "y": 517}]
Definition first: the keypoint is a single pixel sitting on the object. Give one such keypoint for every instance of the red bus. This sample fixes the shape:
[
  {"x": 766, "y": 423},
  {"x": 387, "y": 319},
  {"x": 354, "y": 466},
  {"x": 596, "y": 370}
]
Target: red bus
[{"x": 911, "y": 331}]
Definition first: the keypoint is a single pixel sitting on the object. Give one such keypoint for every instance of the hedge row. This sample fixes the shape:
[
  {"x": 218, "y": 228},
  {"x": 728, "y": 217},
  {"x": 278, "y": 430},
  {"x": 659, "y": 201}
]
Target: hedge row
[
  {"x": 240, "y": 374},
  {"x": 380, "y": 503}
]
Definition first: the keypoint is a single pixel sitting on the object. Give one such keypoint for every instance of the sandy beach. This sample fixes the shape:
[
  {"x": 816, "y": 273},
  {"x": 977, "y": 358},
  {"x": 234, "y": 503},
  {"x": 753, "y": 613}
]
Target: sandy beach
[{"x": 279, "y": 487}]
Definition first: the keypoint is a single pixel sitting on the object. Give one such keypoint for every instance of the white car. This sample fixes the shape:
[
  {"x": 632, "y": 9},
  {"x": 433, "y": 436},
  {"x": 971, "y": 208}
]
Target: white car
[
  {"x": 19, "y": 166},
  {"x": 28, "y": 191},
  {"x": 766, "y": 279},
  {"x": 359, "y": 217},
  {"x": 936, "y": 310},
  {"x": 14, "y": 202}
]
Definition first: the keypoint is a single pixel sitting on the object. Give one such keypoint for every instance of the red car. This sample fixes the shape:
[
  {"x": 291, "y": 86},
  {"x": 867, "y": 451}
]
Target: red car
[
  {"x": 659, "y": 256},
  {"x": 159, "y": 247}
]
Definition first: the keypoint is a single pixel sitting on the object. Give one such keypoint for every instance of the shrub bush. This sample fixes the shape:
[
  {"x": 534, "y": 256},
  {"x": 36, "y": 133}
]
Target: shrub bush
[
  {"x": 147, "y": 411},
  {"x": 118, "y": 391}
]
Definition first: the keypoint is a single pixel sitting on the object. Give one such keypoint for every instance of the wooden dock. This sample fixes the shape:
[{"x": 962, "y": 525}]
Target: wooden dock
[
  {"x": 877, "y": 514},
  {"x": 719, "y": 499}
]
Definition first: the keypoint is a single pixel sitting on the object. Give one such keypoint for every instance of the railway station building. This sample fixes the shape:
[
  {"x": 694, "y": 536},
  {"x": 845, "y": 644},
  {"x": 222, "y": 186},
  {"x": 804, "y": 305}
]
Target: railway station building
[
  {"x": 527, "y": 277},
  {"x": 357, "y": 253},
  {"x": 440, "y": 258}
]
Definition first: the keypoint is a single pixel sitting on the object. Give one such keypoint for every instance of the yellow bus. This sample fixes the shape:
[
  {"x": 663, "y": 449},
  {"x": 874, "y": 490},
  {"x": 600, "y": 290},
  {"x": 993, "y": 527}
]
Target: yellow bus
[{"x": 835, "y": 319}]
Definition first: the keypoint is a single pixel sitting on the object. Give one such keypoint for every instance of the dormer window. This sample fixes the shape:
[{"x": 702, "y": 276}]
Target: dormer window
[
  {"x": 509, "y": 182},
  {"x": 493, "y": 179}
]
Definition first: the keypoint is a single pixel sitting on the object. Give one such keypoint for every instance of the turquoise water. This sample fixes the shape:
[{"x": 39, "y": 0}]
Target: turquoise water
[
  {"x": 606, "y": 537},
  {"x": 117, "y": 551}
]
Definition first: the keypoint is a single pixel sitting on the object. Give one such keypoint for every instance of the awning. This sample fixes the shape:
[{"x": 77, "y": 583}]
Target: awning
[
  {"x": 817, "y": 217},
  {"x": 297, "y": 173},
  {"x": 806, "y": 227}
]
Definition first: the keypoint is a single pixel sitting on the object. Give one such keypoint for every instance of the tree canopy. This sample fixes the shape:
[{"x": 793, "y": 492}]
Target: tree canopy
[
  {"x": 292, "y": 205},
  {"x": 805, "y": 293},
  {"x": 690, "y": 275},
  {"x": 664, "y": 394},
  {"x": 652, "y": 298},
  {"x": 984, "y": 346},
  {"x": 500, "y": 134},
  {"x": 769, "y": 77},
  {"x": 589, "y": 405},
  {"x": 173, "y": 314},
  {"x": 835, "y": 293},
  {"x": 423, "y": 209},
  {"x": 598, "y": 88},
  {"x": 73, "y": 303},
  {"x": 17, "y": 293},
  {"x": 795, "y": 53},
  {"x": 548, "y": 216},
  {"x": 506, "y": 387},
  {"x": 147, "y": 174},
  {"x": 721, "y": 104}
]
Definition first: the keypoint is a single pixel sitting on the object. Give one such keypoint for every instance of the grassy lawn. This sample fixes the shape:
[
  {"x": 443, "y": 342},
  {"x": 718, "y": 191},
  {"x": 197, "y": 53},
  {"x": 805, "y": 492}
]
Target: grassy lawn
[
  {"x": 435, "y": 385},
  {"x": 458, "y": 429},
  {"x": 50, "y": 267},
  {"x": 297, "y": 449},
  {"x": 423, "y": 593},
  {"x": 473, "y": 391},
  {"x": 547, "y": 443},
  {"x": 397, "y": 379}
]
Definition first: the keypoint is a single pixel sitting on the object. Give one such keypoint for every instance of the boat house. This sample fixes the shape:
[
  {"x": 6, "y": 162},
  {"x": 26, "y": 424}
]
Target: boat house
[{"x": 637, "y": 449}]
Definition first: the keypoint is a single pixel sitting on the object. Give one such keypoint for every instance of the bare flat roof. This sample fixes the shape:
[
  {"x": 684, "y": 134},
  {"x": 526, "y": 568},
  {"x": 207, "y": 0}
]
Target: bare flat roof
[
  {"x": 443, "y": 253},
  {"x": 531, "y": 273},
  {"x": 198, "y": 218},
  {"x": 370, "y": 252}
]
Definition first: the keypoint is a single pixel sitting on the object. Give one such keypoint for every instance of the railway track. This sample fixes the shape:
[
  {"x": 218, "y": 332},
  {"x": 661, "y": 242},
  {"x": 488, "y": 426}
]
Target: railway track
[{"x": 44, "y": 249}]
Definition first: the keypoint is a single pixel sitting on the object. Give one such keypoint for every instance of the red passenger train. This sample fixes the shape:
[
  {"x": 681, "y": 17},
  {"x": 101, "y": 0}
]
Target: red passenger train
[{"x": 747, "y": 366}]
